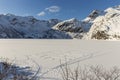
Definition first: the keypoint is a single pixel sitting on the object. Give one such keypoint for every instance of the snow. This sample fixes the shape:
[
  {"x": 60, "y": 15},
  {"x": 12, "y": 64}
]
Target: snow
[
  {"x": 93, "y": 26},
  {"x": 48, "y": 53},
  {"x": 72, "y": 23},
  {"x": 72, "y": 27},
  {"x": 108, "y": 23},
  {"x": 12, "y": 26}
]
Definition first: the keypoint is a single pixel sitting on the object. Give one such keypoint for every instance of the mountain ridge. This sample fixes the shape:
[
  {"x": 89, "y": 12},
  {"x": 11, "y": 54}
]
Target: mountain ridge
[{"x": 99, "y": 25}]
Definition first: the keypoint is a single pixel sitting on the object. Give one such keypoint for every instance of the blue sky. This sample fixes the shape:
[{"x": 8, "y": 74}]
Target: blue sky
[{"x": 61, "y": 9}]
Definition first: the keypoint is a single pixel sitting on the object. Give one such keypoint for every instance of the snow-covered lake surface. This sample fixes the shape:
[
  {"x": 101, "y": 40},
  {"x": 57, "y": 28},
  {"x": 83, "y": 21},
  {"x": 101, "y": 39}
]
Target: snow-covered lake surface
[{"x": 48, "y": 53}]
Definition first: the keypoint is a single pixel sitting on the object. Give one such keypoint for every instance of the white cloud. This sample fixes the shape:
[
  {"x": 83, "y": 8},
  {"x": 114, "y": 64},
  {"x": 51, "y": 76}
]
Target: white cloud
[
  {"x": 53, "y": 9},
  {"x": 41, "y": 13}
]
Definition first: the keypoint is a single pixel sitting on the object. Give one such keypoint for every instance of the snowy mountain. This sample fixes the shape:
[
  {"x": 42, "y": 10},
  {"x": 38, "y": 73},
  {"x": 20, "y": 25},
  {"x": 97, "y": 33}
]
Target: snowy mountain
[
  {"x": 73, "y": 27},
  {"x": 76, "y": 28},
  {"x": 97, "y": 25},
  {"x": 12, "y": 26},
  {"x": 88, "y": 21},
  {"x": 106, "y": 26}
]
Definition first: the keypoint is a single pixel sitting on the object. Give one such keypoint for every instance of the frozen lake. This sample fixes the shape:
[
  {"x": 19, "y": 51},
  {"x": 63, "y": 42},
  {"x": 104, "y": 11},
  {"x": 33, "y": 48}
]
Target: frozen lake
[{"x": 49, "y": 53}]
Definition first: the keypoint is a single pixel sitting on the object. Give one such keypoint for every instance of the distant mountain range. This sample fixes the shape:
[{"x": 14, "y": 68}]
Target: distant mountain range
[{"x": 100, "y": 25}]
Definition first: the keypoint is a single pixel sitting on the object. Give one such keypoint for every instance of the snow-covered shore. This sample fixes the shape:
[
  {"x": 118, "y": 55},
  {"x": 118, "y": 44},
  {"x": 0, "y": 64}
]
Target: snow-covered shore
[{"x": 48, "y": 53}]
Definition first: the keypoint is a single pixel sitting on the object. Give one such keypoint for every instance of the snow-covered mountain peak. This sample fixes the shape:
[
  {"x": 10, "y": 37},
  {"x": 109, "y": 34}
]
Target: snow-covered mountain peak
[
  {"x": 68, "y": 24},
  {"x": 117, "y": 7},
  {"x": 94, "y": 14},
  {"x": 9, "y": 14},
  {"x": 73, "y": 27},
  {"x": 112, "y": 10},
  {"x": 106, "y": 26},
  {"x": 88, "y": 21},
  {"x": 12, "y": 26}
]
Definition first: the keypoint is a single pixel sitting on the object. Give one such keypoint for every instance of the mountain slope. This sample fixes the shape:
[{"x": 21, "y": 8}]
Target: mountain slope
[
  {"x": 73, "y": 27},
  {"x": 100, "y": 25},
  {"x": 106, "y": 26},
  {"x": 88, "y": 21},
  {"x": 12, "y": 26}
]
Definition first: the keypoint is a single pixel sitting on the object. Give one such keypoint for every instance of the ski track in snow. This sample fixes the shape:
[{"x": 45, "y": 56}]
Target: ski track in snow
[{"x": 77, "y": 60}]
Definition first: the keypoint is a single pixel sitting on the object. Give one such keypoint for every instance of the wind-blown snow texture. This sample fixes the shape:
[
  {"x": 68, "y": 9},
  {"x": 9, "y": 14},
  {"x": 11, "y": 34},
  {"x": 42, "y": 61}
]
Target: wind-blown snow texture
[
  {"x": 51, "y": 54},
  {"x": 98, "y": 25}
]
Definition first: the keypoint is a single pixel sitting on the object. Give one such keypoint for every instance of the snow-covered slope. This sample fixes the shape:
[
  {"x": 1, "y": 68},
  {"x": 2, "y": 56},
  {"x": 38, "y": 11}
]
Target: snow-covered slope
[
  {"x": 12, "y": 26},
  {"x": 76, "y": 28},
  {"x": 106, "y": 26},
  {"x": 88, "y": 21},
  {"x": 49, "y": 54},
  {"x": 97, "y": 25},
  {"x": 73, "y": 27}
]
